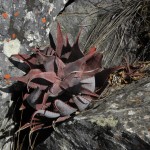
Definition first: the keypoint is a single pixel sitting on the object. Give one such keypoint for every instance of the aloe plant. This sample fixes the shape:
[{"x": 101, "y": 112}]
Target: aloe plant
[{"x": 60, "y": 81}]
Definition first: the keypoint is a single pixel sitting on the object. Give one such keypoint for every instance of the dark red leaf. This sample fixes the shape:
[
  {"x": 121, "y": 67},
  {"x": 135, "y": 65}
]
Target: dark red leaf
[
  {"x": 81, "y": 102},
  {"x": 94, "y": 62},
  {"x": 49, "y": 64},
  {"x": 60, "y": 67},
  {"x": 37, "y": 85},
  {"x": 91, "y": 50},
  {"x": 88, "y": 83},
  {"x": 26, "y": 78},
  {"x": 30, "y": 60},
  {"x": 70, "y": 81},
  {"x": 46, "y": 113},
  {"x": 85, "y": 91},
  {"x": 60, "y": 44},
  {"x": 55, "y": 89},
  {"x": 33, "y": 97},
  {"x": 61, "y": 119},
  {"x": 42, "y": 106},
  {"x": 77, "y": 65},
  {"x": 63, "y": 108},
  {"x": 48, "y": 76}
]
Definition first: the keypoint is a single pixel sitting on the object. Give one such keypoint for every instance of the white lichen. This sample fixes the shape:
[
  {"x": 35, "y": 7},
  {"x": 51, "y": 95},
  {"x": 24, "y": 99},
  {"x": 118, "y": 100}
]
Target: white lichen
[
  {"x": 54, "y": 18},
  {"x": 47, "y": 31},
  {"x": 146, "y": 117},
  {"x": 131, "y": 112},
  {"x": 11, "y": 47},
  {"x": 31, "y": 44},
  {"x": 114, "y": 106},
  {"x": 4, "y": 95},
  {"x": 51, "y": 7},
  {"x": 65, "y": 1},
  {"x": 32, "y": 36},
  {"x": 130, "y": 130},
  {"x": 29, "y": 16}
]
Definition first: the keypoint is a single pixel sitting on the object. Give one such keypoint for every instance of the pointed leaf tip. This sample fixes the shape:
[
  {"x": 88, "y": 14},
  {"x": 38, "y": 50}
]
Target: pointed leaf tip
[
  {"x": 64, "y": 108},
  {"x": 92, "y": 50},
  {"x": 60, "y": 44},
  {"x": 81, "y": 102}
]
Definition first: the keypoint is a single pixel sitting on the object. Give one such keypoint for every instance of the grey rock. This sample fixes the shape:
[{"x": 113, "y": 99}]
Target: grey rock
[
  {"x": 7, "y": 124},
  {"x": 108, "y": 25},
  {"x": 25, "y": 20}
]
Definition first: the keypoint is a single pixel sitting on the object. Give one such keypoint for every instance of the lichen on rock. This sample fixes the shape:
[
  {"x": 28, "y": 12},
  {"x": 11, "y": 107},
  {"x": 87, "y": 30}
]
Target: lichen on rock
[{"x": 11, "y": 47}]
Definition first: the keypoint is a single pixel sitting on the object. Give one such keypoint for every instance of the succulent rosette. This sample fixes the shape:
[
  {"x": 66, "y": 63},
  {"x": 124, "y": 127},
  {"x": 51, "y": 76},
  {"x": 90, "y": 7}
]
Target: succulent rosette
[{"x": 61, "y": 80}]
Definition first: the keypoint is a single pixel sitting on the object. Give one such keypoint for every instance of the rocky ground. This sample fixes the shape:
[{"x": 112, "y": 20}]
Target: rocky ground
[{"x": 118, "y": 120}]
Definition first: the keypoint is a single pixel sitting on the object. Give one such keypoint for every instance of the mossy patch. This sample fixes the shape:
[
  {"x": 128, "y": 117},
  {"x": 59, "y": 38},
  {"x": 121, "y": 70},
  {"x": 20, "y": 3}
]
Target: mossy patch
[{"x": 101, "y": 121}]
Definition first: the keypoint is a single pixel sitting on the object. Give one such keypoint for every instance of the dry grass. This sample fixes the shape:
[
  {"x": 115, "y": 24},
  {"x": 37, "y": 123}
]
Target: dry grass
[{"x": 116, "y": 31}]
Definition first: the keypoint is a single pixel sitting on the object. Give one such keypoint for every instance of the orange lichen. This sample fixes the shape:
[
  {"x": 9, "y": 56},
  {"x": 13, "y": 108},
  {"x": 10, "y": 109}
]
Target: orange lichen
[
  {"x": 5, "y": 15},
  {"x": 13, "y": 36},
  {"x": 7, "y": 76},
  {"x": 16, "y": 13},
  {"x": 44, "y": 20},
  {"x": 91, "y": 50}
]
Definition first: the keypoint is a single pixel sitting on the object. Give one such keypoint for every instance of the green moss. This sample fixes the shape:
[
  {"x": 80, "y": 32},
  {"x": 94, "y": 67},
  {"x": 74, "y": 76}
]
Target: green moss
[{"x": 101, "y": 121}]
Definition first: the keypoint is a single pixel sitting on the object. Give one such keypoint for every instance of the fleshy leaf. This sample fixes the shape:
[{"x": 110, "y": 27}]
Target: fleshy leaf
[
  {"x": 91, "y": 50},
  {"x": 46, "y": 113},
  {"x": 63, "y": 108},
  {"x": 33, "y": 97},
  {"x": 60, "y": 44},
  {"x": 55, "y": 89},
  {"x": 76, "y": 78},
  {"x": 85, "y": 74},
  {"x": 36, "y": 85},
  {"x": 81, "y": 102},
  {"x": 94, "y": 62},
  {"x": 60, "y": 119},
  {"x": 48, "y": 76},
  {"x": 28, "y": 59},
  {"x": 26, "y": 78},
  {"x": 70, "y": 81},
  {"x": 78, "y": 65},
  {"x": 41, "y": 106},
  {"x": 45, "y": 98},
  {"x": 89, "y": 84},
  {"x": 49, "y": 64},
  {"x": 60, "y": 67},
  {"x": 85, "y": 91}
]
